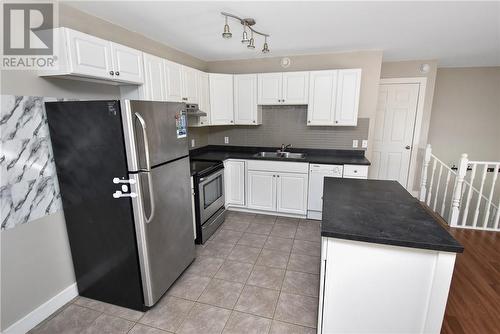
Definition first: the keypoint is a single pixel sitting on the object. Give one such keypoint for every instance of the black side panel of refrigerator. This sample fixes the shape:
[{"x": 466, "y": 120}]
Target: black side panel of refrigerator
[{"x": 89, "y": 151}]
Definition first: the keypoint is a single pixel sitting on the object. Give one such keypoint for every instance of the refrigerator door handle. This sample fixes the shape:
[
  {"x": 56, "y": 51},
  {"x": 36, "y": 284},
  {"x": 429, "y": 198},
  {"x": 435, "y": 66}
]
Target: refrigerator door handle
[
  {"x": 145, "y": 139},
  {"x": 151, "y": 200}
]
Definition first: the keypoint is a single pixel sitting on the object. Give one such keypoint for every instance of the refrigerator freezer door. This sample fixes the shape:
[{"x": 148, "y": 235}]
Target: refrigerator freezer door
[
  {"x": 155, "y": 133},
  {"x": 166, "y": 245}
]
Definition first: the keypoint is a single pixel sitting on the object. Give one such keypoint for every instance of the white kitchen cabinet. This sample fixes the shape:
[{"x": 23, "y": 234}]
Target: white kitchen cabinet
[
  {"x": 154, "y": 83},
  {"x": 246, "y": 111},
  {"x": 127, "y": 63},
  {"x": 292, "y": 193},
  {"x": 261, "y": 190},
  {"x": 89, "y": 55},
  {"x": 270, "y": 87},
  {"x": 221, "y": 99},
  {"x": 277, "y": 186},
  {"x": 322, "y": 95},
  {"x": 234, "y": 180},
  {"x": 173, "y": 81},
  {"x": 295, "y": 88},
  {"x": 203, "y": 101},
  {"x": 347, "y": 101},
  {"x": 334, "y": 97},
  {"x": 189, "y": 85},
  {"x": 283, "y": 88}
]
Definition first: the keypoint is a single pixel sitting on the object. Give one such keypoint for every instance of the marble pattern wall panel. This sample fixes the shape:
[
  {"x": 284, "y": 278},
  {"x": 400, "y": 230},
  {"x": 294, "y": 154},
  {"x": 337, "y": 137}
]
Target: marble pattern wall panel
[{"x": 28, "y": 184}]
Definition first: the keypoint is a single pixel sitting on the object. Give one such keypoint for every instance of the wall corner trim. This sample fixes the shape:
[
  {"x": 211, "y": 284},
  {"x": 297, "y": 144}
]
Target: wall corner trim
[{"x": 42, "y": 312}]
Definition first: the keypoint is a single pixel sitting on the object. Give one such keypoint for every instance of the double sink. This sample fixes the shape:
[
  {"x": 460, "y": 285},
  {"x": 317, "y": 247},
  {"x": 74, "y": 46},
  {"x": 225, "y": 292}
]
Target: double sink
[{"x": 282, "y": 155}]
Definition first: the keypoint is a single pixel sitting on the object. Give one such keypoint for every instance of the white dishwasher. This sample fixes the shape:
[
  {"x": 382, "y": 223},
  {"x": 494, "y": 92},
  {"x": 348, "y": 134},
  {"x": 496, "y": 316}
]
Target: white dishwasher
[{"x": 317, "y": 173}]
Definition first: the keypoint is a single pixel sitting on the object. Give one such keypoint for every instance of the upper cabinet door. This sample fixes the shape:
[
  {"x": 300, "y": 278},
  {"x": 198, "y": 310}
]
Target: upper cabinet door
[
  {"x": 173, "y": 81},
  {"x": 270, "y": 88},
  {"x": 89, "y": 55},
  {"x": 245, "y": 100},
  {"x": 322, "y": 93},
  {"x": 154, "y": 83},
  {"x": 203, "y": 98},
  {"x": 347, "y": 104},
  {"x": 221, "y": 99},
  {"x": 295, "y": 88},
  {"x": 189, "y": 85},
  {"x": 127, "y": 64}
]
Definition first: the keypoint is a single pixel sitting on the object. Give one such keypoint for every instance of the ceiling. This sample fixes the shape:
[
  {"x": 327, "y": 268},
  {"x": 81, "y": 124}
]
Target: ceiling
[{"x": 454, "y": 33}]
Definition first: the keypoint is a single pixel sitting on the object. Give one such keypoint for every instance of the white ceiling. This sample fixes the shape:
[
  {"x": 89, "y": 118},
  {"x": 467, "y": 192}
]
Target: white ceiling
[{"x": 455, "y": 33}]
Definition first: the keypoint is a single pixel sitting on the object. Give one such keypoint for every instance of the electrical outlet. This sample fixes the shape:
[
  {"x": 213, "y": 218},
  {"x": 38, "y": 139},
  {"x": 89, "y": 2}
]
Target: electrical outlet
[
  {"x": 355, "y": 143},
  {"x": 193, "y": 144},
  {"x": 364, "y": 143},
  {"x": 226, "y": 140}
]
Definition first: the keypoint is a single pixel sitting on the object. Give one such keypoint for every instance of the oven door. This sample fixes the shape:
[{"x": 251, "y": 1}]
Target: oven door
[{"x": 211, "y": 194}]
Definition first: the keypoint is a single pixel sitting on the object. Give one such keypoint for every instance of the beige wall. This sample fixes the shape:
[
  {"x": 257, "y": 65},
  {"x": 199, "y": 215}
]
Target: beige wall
[
  {"x": 36, "y": 261},
  {"x": 369, "y": 61},
  {"x": 411, "y": 69},
  {"x": 466, "y": 114}
]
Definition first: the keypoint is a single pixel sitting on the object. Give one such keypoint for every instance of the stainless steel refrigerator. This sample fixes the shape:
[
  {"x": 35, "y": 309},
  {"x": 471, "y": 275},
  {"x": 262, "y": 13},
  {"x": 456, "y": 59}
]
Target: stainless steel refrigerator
[{"x": 123, "y": 170}]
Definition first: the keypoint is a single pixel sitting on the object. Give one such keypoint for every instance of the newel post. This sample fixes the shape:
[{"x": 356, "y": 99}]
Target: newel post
[
  {"x": 457, "y": 194},
  {"x": 423, "y": 181}
]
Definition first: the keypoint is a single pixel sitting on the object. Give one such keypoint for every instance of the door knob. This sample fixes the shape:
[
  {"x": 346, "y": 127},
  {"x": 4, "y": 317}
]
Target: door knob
[{"x": 408, "y": 147}]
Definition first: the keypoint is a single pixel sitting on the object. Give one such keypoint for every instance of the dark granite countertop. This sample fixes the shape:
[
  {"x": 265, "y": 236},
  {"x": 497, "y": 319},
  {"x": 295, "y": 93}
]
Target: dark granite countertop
[
  {"x": 333, "y": 157},
  {"x": 381, "y": 212}
]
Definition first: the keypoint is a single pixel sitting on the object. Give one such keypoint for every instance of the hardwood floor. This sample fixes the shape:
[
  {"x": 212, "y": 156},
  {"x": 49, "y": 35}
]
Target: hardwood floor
[{"x": 474, "y": 299}]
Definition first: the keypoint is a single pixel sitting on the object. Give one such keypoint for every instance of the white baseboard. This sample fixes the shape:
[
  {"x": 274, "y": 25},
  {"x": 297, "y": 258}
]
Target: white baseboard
[{"x": 42, "y": 312}]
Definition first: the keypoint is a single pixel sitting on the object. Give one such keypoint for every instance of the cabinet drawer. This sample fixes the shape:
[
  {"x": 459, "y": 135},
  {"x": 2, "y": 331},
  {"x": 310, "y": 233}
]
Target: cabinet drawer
[
  {"x": 355, "y": 171},
  {"x": 278, "y": 166}
]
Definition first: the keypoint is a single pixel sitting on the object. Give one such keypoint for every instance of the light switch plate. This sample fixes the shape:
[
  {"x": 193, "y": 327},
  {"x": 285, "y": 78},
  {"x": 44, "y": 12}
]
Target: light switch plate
[
  {"x": 226, "y": 140},
  {"x": 364, "y": 143},
  {"x": 193, "y": 144},
  {"x": 355, "y": 143}
]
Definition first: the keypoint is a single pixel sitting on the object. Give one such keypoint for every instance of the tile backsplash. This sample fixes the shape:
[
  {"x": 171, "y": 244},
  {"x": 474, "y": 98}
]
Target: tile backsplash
[{"x": 283, "y": 125}]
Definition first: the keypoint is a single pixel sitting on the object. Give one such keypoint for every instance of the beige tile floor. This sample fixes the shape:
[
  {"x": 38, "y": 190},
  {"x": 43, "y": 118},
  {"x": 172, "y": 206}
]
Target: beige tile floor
[{"x": 257, "y": 274}]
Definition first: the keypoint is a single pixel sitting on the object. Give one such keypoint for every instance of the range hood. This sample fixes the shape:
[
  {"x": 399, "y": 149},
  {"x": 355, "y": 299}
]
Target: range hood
[{"x": 192, "y": 110}]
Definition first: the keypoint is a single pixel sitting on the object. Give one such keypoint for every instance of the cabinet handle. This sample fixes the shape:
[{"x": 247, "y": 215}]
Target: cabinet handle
[
  {"x": 336, "y": 122},
  {"x": 254, "y": 121},
  {"x": 111, "y": 72},
  {"x": 117, "y": 73},
  {"x": 231, "y": 121},
  {"x": 201, "y": 122},
  {"x": 308, "y": 121},
  {"x": 277, "y": 176}
]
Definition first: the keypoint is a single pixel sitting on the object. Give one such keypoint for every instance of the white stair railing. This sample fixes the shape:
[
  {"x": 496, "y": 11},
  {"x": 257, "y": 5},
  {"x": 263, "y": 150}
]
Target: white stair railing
[{"x": 464, "y": 206}]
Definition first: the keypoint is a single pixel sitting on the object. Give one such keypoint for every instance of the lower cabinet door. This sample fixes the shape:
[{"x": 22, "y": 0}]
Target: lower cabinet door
[
  {"x": 262, "y": 190},
  {"x": 292, "y": 193},
  {"x": 234, "y": 179}
]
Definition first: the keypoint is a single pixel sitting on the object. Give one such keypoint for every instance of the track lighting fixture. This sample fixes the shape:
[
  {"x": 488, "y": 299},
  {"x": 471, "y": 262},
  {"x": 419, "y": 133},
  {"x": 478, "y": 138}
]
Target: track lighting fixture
[{"x": 248, "y": 22}]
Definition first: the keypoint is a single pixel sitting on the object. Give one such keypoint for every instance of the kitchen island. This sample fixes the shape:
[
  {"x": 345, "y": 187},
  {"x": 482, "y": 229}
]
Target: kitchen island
[{"x": 386, "y": 263}]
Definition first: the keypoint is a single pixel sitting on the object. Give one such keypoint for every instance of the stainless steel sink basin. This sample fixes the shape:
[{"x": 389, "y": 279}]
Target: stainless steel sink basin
[{"x": 284, "y": 155}]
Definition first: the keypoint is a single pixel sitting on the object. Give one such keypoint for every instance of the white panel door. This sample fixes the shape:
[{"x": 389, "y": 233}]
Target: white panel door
[
  {"x": 295, "y": 88},
  {"x": 221, "y": 99},
  {"x": 89, "y": 55},
  {"x": 189, "y": 84},
  {"x": 154, "y": 78},
  {"x": 127, "y": 63},
  {"x": 347, "y": 104},
  {"x": 173, "y": 81},
  {"x": 394, "y": 127},
  {"x": 270, "y": 88},
  {"x": 234, "y": 179},
  {"x": 261, "y": 190},
  {"x": 292, "y": 193},
  {"x": 203, "y": 98},
  {"x": 245, "y": 99},
  {"x": 322, "y": 97}
]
